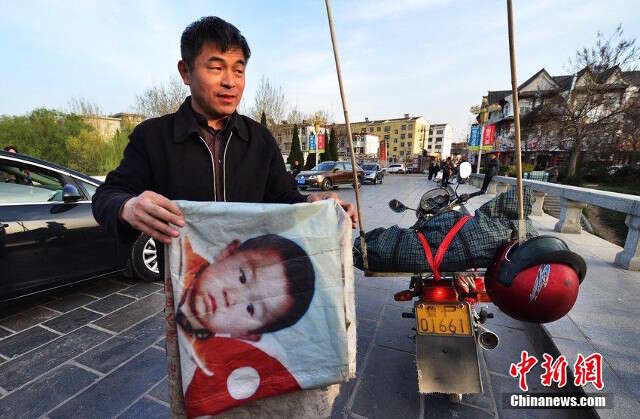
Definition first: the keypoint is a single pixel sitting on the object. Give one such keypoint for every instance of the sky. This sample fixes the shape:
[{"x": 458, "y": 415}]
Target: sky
[{"x": 434, "y": 58}]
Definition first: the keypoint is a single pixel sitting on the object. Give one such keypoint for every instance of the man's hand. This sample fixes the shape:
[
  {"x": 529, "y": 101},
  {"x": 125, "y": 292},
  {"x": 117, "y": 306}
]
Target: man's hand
[
  {"x": 154, "y": 215},
  {"x": 347, "y": 206}
]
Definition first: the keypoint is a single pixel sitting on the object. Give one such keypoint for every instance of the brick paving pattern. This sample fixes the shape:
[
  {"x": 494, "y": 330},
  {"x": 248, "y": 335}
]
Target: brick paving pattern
[{"x": 98, "y": 351}]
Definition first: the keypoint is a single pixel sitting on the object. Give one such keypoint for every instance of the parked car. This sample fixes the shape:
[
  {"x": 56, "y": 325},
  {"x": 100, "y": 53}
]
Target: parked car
[
  {"x": 328, "y": 175},
  {"x": 397, "y": 168},
  {"x": 373, "y": 173},
  {"x": 48, "y": 236}
]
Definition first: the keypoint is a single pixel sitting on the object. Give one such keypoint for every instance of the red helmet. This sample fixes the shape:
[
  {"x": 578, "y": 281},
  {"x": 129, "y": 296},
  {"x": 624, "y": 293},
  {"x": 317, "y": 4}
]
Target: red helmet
[{"x": 536, "y": 280}]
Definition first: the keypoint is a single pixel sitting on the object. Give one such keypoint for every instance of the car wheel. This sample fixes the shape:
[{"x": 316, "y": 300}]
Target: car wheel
[
  {"x": 381, "y": 180},
  {"x": 374, "y": 181},
  {"x": 327, "y": 185},
  {"x": 144, "y": 259}
]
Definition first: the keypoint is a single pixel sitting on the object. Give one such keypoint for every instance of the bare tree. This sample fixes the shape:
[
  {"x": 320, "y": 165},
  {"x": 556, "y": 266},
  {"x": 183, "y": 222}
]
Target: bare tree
[
  {"x": 162, "y": 99},
  {"x": 270, "y": 100},
  {"x": 294, "y": 116},
  {"x": 630, "y": 127},
  {"x": 82, "y": 106},
  {"x": 590, "y": 112},
  {"x": 615, "y": 50},
  {"x": 320, "y": 118}
]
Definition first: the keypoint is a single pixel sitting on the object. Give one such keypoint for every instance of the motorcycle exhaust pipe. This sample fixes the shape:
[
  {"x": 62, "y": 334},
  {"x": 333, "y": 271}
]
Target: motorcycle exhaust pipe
[{"x": 487, "y": 339}]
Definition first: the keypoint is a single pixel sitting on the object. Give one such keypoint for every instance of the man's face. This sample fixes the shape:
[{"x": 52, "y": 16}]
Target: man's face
[
  {"x": 216, "y": 80},
  {"x": 239, "y": 293}
]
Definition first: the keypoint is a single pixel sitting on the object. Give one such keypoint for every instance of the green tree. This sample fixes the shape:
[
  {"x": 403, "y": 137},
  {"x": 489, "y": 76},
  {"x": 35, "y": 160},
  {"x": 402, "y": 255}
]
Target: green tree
[
  {"x": 263, "y": 119},
  {"x": 296, "y": 152},
  {"x": 311, "y": 161}
]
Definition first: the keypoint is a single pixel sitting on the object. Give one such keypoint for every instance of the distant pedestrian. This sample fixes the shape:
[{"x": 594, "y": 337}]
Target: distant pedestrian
[
  {"x": 296, "y": 168},
  {"x": 11, "y": 149},
  {"x": 493, "y": 169},
  {"x": 447, "y": 170}
]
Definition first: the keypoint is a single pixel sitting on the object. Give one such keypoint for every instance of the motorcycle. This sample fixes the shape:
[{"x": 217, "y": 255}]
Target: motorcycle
[{"x": 448, "y": 327}]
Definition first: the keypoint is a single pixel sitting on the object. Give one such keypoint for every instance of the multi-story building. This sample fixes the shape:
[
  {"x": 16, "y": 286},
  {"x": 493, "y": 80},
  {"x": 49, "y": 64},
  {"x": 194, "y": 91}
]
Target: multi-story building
[
  {"x": 460, "y": 148},
  {"x": 542, "y": 88},
  {"x": 439, "y": 140},
  {"x": 404, "y": 137},
  {"x": 107, "y": 126},
  {"x": 305, "y": 130}
]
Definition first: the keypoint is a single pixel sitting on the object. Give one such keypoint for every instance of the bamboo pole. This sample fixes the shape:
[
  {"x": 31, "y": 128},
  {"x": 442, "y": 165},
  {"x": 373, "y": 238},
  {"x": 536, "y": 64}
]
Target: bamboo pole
[
  {"x": 516, "y": 119},
  {"x": 354, "y": 172},
  {"x": 174, "y": 380}
]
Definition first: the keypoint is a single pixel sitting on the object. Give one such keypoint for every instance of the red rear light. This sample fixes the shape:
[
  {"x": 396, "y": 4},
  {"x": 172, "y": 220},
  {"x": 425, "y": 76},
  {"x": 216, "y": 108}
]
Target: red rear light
[
  {"x": 481, "y": 291},
  {"x": 439, "y": 294}
]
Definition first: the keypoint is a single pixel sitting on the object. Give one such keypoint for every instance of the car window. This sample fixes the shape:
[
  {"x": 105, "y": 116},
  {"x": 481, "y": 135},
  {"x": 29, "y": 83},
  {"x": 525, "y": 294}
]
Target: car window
[
  {"x": 324, "y": 167},
  {"x": 340, "y": 166},
  {"x": 347, "y": 166},
  {"x": 90, "y": 188},
  {"x": 24, "y": 184}
]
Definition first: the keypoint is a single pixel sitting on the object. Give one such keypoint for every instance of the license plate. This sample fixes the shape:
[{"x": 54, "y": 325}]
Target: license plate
[
  {"x": 300, "y": 181},
  {"x": 443, "y": 319}
]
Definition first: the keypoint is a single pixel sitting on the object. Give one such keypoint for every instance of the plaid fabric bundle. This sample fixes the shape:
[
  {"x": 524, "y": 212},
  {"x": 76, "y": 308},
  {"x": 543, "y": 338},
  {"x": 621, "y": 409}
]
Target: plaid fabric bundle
[{"x": 495, "y": 223}]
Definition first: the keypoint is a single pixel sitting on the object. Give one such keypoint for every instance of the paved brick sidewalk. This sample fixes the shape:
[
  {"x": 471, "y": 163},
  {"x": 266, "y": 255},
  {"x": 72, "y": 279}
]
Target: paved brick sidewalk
[{"x": 98, "y": 350}]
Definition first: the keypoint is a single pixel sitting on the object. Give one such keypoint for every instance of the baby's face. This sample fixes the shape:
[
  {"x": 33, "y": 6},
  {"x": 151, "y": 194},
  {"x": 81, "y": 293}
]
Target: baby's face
[{"x": 239, "y": 293}]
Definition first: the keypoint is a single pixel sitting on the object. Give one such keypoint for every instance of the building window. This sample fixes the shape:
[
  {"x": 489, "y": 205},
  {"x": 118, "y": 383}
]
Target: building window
[
  {"x": 409, "y": 144},
  {"x": 402, "y": 153},
  {"x": 378, "y": 129},
  {"x": 410, "y": 135},
  {"x": 402, "y": 136},
  {"x": 404, "y": 127},
  {"x": 370, "y": 129},
  {"x": 395, "y": 131},
  {"x": 395, "y": 141},
  {"x": 402, "y": 144},
  {"x": 387, "y": 129},
  {"x": 395, "y": 148},
  {"x": 439, "y": 131},
  {"x": 386, "y": 137}
]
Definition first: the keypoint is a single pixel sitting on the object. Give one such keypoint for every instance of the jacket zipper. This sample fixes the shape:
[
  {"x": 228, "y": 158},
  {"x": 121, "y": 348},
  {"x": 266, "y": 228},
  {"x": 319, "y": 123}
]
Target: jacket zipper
[
  {"x": 213, "y": 167},
  {"x": 224, "y": 168}
]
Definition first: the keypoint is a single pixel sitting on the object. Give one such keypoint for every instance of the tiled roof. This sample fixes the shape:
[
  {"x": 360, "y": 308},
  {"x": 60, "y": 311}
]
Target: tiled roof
[{"x": 563, "y": 81}]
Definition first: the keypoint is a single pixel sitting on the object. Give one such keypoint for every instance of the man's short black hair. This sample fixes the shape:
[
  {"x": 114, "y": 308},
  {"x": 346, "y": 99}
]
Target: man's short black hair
[
  {"x": 213, "y": 30},
  {"x": 11, "y": 147},
  {"x": 300, "y": 277}
]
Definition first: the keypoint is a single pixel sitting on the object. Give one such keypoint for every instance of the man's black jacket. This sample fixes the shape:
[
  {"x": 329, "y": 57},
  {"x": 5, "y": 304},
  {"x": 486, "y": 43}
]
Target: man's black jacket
[{"x": 166, "y": 155}]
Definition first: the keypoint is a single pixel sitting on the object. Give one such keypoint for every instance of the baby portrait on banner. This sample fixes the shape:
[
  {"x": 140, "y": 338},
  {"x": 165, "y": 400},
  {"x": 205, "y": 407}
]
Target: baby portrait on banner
[{"x": 264, "y": 301}]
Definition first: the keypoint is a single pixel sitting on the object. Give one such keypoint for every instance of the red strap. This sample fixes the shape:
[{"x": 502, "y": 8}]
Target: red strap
[{"x": 442, "y": 249}]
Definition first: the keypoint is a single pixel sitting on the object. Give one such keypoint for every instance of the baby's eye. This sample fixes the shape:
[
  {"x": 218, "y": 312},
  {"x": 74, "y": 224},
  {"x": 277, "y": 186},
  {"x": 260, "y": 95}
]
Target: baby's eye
[
  {"x": 250, "y": 309},
  {"x": 243, "y": 278}
]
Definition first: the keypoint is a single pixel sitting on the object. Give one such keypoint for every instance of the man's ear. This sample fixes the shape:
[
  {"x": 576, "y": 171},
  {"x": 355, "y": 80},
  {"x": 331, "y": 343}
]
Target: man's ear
[
  {"x": 228, "y": 251},
  {"x": 183, "y": 69}
]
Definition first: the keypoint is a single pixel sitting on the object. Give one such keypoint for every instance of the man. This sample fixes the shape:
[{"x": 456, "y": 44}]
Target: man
[
  {"x": 493, "y": 169},
  {"x": 447, "y": 170},
  {"x": 205, "y": 151}
]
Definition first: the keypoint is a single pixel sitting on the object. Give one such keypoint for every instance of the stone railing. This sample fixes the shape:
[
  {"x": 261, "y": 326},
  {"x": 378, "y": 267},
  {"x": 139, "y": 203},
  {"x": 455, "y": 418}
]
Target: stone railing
[{"x": 574, "y": 199}]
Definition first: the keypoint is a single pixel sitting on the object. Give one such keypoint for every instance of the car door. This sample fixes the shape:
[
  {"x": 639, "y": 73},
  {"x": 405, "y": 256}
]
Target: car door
[
  {"x": 347, "y": 176},
  {"x": 45, "y": 241}
]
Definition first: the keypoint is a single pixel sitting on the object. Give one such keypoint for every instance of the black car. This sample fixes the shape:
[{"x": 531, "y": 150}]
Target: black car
[
  {"x": 373, "y": 173},
  {"x": 48, "y": 236}
]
